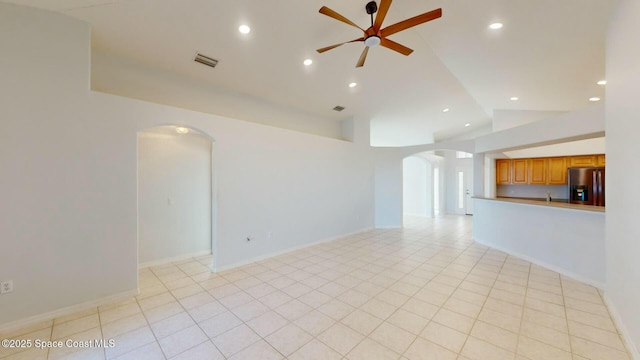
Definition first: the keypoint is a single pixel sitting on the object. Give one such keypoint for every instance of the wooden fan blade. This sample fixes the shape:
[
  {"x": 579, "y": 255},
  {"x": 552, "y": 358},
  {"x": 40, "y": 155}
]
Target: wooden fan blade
[
  {"x": 416, "y": 20},
  {"x": 362, "y": 57},
  {"x": 382, "y": 12},
  {"x": 336, "y": 45},
  {"x": 390, "y": 44},
  {"x": 330, "y": 13}
]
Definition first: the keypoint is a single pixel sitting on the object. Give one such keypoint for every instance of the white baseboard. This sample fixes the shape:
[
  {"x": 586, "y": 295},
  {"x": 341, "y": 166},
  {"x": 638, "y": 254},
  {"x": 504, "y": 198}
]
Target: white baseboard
[
  {"x": 173, "y": 259},
  {"x": 555, "y": 268},
  {"x": 50, "y": 315},
  {"x": 287, "y": 250},
  {"x": 617, "y": 320}
]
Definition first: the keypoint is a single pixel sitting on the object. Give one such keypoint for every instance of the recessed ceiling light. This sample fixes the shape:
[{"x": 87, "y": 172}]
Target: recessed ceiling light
[
  {"x": 602, "y": 82},
  {"x": 307, "y": 62},
  {"x": 445, "y": 110},
  {"x": 594, "y": 99},
  {"x": 181, "y": 130},
  {"x": 495, "y": 26},
  {"x": 352, "y": 85},
  {"x": 467, "y": 125},
  {"x": 244, "y": 29},
  {"x": 513, "y": 98}
]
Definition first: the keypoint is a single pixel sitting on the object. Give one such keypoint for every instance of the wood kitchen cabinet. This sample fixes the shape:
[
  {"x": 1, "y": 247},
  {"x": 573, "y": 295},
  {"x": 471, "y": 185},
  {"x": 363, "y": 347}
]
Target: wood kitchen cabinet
[
  {"x": 520, "y": 171},
  {"x": 582, "y": 161},
  {"x": 601, "y": 160},
  {"x": 503, "y": 171},
  {"x": 538, "y": 171},
  {"x": 557, "y": 171}
]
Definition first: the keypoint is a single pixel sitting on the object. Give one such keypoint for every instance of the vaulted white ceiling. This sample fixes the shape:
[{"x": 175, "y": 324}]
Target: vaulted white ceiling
[{"x": 549, "y": 54}]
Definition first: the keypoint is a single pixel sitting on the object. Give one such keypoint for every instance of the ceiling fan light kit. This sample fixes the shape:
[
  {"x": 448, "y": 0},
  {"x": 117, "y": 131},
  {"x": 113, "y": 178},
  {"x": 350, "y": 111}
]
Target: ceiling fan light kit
[{"x": 375, "y": 35}]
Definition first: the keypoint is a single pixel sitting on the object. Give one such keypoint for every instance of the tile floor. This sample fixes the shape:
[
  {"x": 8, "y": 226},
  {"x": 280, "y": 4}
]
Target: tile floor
[{"x": 423, "y": 292}]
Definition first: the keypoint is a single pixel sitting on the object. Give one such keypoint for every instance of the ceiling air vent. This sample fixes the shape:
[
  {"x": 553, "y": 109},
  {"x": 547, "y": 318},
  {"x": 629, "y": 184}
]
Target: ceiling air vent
[
  {"x": 338, "y": 108},
  {"x": 205, "y": 60}
]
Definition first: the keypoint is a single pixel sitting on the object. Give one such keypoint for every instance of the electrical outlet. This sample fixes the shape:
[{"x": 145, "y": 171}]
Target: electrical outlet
[
  {"x": 249, "y": 238},
  {"x": 6, "y": 287}
]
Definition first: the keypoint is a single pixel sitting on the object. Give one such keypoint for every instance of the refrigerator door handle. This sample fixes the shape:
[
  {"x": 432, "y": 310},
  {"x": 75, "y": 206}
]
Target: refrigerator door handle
[
  {"x": 600, "y": 189},
  {"x": 595, "y": 187}
]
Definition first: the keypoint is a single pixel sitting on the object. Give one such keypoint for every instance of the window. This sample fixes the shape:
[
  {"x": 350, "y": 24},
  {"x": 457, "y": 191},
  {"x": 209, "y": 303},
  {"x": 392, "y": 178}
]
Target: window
[{"x": 463, "y": 155}]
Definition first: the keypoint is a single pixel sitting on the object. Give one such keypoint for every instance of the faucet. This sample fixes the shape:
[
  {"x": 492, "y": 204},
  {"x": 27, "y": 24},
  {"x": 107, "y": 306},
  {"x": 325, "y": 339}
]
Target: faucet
[{"x": 548, "y": 196}]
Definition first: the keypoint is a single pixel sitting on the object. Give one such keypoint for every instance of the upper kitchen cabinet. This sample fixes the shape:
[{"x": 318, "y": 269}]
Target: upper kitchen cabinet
[
  {"x": 538, "y": 171},
  {"x": 503, "y": 171},
  {"x": 583, "y": 161},
  {"x": 520, "y": 173},
  {"x": 601, "y": 160},
  {"x": 557, "y": 171}
]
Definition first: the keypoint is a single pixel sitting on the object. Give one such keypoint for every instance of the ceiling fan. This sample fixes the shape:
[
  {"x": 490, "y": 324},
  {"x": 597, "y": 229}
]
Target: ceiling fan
[{"x": 374, "y": 35}]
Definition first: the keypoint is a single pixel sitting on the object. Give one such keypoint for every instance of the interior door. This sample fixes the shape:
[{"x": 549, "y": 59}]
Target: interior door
[{"x": 465, "y": 189}]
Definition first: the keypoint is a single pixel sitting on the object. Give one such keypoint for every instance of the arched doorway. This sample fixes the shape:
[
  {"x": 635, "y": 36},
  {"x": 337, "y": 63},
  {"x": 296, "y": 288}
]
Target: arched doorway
[{"x": 175, "y": 194}]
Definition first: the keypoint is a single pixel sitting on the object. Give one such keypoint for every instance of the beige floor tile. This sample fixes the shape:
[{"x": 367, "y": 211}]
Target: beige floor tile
[
  {"x": 426, "y": 350},
  {"x": 28, "y": 354},
  {"x": 353, "y": 298},
  {"x": 507, "y": 296},
  {"x": 130, "y": 341},
  {"x": 196, "y": 300},
  {"x": 462, "y": 307},
  {"x": 150, "y": 351},
  {"x": 392, "y": 337},
  {"x": 64, "y": 330},
  {"x": 275, "y": 299},
  {"x": 336, "y": 309},
  {"x": 592, "y": 350},
  {"x": 477, "y": 349},
  {"x": 371, "y": 350},
  {"x": 121, "y": 326},
  {"x": 546, "y": 307},
  {"x": 161, "y": 312},
  {"x": 87, "y": 312},
  {"x": 421, "y": 308},
  {"x": 148, "y": 303},
  {"x": 293, "y": 310},
  {"x": 120, "y": 312},
  {"x": 267, "y": 323},
  {"x": 340, "y": 338},
  {"x": 236, "y": 299},
  {"x": 378, "y": 308},
  {"x": 408, "y": 321},
  {"x": 172, "y": 325},
  {"x": 220, "y": 324},
  {"x": 206, "y": 311},
  {"x": 504, "y": 321},
  {"x": 495, "y": 335},
  {"x": 204, "y": 351},
  {"x": 601, "y": 322},
  {"x": 235, "y": 340},
  {"x": 587, "y": 332},
  {"x": 288, "y": 339},
  {"x": 546, "y": 320},
  {"x": 314, "y": 322},
  {"x": 315, "y": 298},
  {"x": 596, "y": 309},
  {"x": 546, "y": 335},
  {"x": 186, "y": 291},
  {"x": 361, "y": 321},
  {"x": 444, "y": 336},
  {"x": 536, "y": 350},
  {"x": 504, "y": 307},
  {"x": 315, "y": 350},
  {"x": 42, "y": 334},
  {"x": 454, "y": 320},
  {"x": 259, "y": 350}
]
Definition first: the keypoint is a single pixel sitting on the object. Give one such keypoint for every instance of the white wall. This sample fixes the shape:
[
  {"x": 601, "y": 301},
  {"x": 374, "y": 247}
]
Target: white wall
[
  {"x": 506, "y": 119},
  {"x": 417, "y": 177},
  {"x": 69, "y": 167},
  {"x": 174, "y": 194},
  {"x": 623, "y": 172},
  {"x": 580, "y": 147},
  {"x": 115, "y": 75},
  {"x": 568, "y": 241}
]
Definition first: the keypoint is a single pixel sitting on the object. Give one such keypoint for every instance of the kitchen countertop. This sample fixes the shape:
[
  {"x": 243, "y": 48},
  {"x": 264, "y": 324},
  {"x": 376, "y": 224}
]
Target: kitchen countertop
[{"x": 543, "y": 202}]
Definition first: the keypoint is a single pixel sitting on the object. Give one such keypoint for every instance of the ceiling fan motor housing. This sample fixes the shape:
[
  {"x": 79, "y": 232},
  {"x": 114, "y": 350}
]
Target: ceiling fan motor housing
[{"x": 371, "y": 7}]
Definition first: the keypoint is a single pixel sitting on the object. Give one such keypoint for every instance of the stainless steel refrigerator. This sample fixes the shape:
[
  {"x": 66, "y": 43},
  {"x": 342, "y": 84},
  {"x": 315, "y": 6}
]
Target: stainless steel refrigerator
[{"x": 586, "y": 186}]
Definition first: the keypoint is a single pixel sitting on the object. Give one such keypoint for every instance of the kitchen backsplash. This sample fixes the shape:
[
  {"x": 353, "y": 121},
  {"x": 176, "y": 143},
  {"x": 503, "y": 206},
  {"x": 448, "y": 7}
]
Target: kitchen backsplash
[{"x": 533, "y": 191}]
